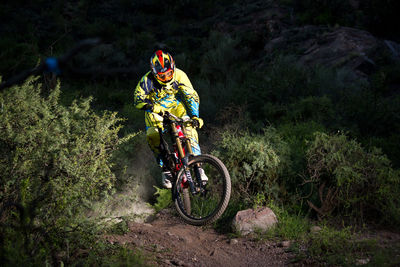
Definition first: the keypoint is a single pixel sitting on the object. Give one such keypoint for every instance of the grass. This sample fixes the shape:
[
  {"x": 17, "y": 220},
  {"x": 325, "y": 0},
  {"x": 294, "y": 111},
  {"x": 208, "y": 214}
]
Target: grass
[
  {"x": 289, "y": 227},
  {"x": 328, "y": 246}
]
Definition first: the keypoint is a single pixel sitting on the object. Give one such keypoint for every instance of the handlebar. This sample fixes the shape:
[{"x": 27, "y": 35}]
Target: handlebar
[
  {"x": 167, "y": 117},
  {"x": 51, "y": 64}
]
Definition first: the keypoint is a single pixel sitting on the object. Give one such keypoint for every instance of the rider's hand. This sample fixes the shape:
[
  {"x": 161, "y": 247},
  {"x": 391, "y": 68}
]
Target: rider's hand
[
  {"x": 158, "y": 109},
  {"x": 197, "y": 122}
]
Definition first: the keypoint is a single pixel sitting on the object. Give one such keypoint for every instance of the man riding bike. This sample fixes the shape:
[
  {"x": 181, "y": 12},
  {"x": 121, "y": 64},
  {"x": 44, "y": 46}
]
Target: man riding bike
[{"x": 167, "y": 88}]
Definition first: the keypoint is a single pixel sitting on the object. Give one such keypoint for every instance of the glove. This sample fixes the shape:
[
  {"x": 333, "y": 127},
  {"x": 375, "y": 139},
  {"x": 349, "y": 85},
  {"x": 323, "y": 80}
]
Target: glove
[
  {"x": 197, "y": 122},
  {"x": 158, "y": 109}
]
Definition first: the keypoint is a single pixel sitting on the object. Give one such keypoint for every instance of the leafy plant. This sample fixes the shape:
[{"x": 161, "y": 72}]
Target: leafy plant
[
  {"x": 357, "y": 183},
  {"x": 55, "y": 160},
  {"x": 255, "y": 163}
]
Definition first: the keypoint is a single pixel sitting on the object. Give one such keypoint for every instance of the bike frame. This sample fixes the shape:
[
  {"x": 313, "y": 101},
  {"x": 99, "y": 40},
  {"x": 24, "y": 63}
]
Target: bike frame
[
  {"x": 183, "y": 149},
  {"x": 189, "y": 194}
]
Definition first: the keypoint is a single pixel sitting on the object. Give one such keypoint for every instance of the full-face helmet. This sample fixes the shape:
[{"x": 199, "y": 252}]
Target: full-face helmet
[{"x": 162, "y": 66}]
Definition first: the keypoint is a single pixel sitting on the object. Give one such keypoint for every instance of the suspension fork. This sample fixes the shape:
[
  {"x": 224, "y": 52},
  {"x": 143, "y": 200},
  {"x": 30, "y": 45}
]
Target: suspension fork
[
  {"x": 190, "y": 151},
  {"x": 182, "y": 156}
]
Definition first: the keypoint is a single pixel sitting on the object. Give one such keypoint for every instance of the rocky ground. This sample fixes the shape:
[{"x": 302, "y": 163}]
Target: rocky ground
[
  {"x": 171, "y": 242},
  {"x": 166, "y": 240}
]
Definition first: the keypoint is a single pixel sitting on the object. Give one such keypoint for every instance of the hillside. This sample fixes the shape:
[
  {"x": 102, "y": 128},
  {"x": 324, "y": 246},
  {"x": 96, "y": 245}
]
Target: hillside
[{"x": 300, "y": 101}]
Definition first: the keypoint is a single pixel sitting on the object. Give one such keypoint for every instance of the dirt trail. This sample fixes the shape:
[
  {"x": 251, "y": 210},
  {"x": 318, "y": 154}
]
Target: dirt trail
[{"x": 175, "y": 243}]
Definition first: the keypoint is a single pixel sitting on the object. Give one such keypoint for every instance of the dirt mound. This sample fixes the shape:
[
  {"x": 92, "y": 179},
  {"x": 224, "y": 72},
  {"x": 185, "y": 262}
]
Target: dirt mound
[{"x": 177, "y": 244}]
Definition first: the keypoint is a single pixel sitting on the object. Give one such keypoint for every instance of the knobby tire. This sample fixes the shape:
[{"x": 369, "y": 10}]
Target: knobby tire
[{"x": 219, "y": 184}]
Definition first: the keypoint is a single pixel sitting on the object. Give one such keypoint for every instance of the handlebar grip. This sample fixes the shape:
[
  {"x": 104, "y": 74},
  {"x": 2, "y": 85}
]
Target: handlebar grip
[{"x": 195, "y": 123}]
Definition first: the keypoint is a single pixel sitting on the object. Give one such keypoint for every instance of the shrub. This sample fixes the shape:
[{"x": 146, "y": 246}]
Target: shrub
[
  {"x": 54, "y": 161},
  {"x": 255, "y": 163},
  {"x": 359, "y": 184},
  {"x": 297, "y": 136}
]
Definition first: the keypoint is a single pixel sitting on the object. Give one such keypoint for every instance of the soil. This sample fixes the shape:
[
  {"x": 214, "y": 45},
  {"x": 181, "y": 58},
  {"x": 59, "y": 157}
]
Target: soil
[{"x": 171, "y": 242}]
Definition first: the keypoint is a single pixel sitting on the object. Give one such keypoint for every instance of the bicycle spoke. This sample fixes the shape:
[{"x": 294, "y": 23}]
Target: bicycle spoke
[{"x": 211, "y": 198}]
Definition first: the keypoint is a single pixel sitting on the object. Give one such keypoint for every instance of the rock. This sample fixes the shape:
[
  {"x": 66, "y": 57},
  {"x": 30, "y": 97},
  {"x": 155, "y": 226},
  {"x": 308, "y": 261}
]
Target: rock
[
  {"x": 362, "y": 262},
  {"x": 285, "y": 244},
  {"x": 315, "y": 229},
  {"x": 247, "y": 221},
  {"x": 139, "y": 243},
  {"x": 170, "y": 234},
  {"x": 167, "y": 262},
  {"x": 158, "y": 248},
  {"x": 356, "y": 50},
  {"x": 213, "y": 252},
  {"x": 342, "y": 47},
  {"x": 177, "y": 263},
  {"x": 151, "y": 218},
  {"x": 394, "y": 48},
  {"x": 233, "y": 241}
]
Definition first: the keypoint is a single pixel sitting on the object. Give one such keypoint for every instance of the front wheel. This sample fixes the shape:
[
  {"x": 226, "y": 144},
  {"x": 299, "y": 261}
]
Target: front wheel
[{"x": 211, "y": 197}]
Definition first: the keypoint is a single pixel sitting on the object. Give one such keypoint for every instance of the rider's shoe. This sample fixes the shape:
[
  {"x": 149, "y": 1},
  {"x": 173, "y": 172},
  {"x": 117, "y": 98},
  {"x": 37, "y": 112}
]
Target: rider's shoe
[
  {"x": 203, "y": 175},
  {"x": 166, "y": 179}
]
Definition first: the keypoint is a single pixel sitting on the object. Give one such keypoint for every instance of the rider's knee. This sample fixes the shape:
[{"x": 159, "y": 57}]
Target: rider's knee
[
  {"x": 192, "y": 133},
  {"x": 153, "y": 137}
]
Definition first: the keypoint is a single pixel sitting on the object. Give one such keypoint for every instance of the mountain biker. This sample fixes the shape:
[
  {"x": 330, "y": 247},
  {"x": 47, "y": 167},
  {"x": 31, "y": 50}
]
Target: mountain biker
[{"x": 167, "y": 88}]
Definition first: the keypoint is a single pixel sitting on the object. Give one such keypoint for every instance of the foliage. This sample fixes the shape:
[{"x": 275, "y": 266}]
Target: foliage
[
  {"x": 17, "y": 54},
  {"x": 221, "y": 54},
  {"x": 386, "y": 257},
  {"x": 336, "y": 247},
  {"x": 290, "y": 226},
  {"x": 354, "y": 182},
  {"x": 255, "y": 163},
  {"x": 114, "y": 255},
  {"x": 163, "y": 200},
  {"x": 87, "y": 247},
  {"x": 286, "y": 91},
  {"x": 219, "y": 76},
  {"x": 55, "y": 160}
]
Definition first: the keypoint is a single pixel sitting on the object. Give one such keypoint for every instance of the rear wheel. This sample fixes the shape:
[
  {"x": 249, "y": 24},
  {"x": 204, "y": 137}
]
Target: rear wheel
[{"x": 211, "y": 197}]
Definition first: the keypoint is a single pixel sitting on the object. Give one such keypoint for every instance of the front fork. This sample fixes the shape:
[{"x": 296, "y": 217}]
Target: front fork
[{"x": 185, "y": 159}]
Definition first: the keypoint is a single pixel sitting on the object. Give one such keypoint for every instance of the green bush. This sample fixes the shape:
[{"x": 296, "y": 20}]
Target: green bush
[
  {"x": 333, "y": 247},
  {"x": 54, "y": 161},
  {"x": 352, "y": 182},
  {"x": 297, "y": 136},
  {"x": 255, "y": 163}
]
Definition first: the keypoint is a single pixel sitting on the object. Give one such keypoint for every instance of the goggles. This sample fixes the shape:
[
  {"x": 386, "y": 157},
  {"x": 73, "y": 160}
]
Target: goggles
[{"x": 165, "y": 76}]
